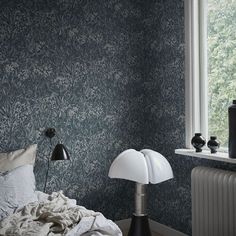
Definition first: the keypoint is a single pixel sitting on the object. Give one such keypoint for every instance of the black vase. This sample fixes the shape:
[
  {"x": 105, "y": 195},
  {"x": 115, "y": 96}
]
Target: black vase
[
  {"x": 198, "y": 142},
  {"x": 213, "y": 144}
]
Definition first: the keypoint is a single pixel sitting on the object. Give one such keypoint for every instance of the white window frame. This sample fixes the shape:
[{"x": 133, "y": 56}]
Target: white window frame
[{"x": 196, "y": 85}]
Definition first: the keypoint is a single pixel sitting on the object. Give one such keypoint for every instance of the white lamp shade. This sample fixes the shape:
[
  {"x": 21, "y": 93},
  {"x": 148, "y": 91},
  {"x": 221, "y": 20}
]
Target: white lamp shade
[
  {"x": 159, "y": 169},
  {"x": 146, "y": 166},
  {"x": 130, "y": 165}
]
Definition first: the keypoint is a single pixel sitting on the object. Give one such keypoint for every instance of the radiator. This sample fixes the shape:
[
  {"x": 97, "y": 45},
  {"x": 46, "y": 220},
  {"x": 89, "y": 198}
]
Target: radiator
[{"x": 213, "y": 202}]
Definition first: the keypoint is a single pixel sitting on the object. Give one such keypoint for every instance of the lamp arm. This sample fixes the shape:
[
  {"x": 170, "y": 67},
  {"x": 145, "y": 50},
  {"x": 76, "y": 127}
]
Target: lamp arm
[
  {"x": 50, "y": 133},
  {"x": 59, "y": 138},
  {"x": 47, "y": 171},
  {"x": 46, "y": 178}
]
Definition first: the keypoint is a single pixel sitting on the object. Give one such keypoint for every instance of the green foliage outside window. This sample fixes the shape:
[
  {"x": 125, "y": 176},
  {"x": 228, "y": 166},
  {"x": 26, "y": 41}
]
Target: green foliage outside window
[{"x": 221, "y": 65}]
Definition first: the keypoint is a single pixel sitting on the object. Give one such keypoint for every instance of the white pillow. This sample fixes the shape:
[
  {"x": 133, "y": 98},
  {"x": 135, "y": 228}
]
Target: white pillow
[
  {"x": 17, "y": 181},
  {"x": 12, "y": 160},
  {"x": 17, "y": 189}
]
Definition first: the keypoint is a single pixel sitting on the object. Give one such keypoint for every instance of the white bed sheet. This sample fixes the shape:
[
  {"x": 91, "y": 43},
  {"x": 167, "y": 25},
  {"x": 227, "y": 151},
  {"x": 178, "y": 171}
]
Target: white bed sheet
[{"x": 55, "y": 211}]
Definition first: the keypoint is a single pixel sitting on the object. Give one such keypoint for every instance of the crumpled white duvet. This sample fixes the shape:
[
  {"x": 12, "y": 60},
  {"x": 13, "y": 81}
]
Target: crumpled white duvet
[{"x": 57, "y": 215}]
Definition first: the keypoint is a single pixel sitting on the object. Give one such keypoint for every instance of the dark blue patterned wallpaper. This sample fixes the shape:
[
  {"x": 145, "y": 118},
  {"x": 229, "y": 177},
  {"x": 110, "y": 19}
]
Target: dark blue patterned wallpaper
[
  {"x": 108, "y": 75},
  {"x": 76, "y": 66},
  {"x": 169, "y": 202}
]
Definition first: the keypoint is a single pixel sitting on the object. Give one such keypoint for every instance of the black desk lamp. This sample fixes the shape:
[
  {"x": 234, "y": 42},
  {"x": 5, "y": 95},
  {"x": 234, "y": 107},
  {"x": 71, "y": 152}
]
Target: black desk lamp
[{"x": 59, "y": 153}]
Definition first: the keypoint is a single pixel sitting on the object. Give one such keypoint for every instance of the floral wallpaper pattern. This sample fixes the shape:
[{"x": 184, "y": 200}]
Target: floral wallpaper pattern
[
  {"x": 169, "y": 202},
  {"x": 107, "y": 75},
  {"x": 75, "y": 66}
]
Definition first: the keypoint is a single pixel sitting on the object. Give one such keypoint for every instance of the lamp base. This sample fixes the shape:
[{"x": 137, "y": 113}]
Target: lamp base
[{"x": 139, "y": 226}]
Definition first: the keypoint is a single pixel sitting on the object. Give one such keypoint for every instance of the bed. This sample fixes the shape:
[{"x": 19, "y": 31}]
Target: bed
[{"x": 27, "y": 212}]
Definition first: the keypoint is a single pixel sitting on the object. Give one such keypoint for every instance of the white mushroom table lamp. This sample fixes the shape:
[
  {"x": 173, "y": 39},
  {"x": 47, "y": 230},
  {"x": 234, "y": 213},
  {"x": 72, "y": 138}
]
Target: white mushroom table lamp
[{"x": 143, "y": 167}]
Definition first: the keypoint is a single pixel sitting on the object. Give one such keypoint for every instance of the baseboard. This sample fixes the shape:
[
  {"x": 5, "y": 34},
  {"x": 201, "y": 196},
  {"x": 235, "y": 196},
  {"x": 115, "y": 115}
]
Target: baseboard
[{"x": 155, "y": 227}]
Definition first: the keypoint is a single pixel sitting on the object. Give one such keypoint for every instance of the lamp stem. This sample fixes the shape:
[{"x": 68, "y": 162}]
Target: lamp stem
[
  {"x": 46, "y": 178},
  {"x": 140, "y": 199},
  {"x": 139, "y": 223},
  {"x": 48, "y": 166}
]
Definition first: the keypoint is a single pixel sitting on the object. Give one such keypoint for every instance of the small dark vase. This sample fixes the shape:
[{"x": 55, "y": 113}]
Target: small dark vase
[
  {"x": 213, "y": 144},
  {"x": 198, "y": 142}
]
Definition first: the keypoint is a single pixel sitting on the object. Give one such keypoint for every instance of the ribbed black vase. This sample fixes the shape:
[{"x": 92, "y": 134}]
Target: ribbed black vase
[{"x": 198, "y": 142}]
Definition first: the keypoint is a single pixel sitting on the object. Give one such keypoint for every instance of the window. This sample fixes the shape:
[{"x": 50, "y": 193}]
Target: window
[{"x": 210, "y": 66}]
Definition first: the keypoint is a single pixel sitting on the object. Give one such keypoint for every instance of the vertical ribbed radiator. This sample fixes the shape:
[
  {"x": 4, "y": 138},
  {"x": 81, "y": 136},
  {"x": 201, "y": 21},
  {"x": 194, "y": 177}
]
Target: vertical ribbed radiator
[{"x": 213, "y": 202}]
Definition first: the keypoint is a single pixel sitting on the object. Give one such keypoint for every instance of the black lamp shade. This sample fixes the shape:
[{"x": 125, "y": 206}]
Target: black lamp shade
[{"x": 60, "y": 153}]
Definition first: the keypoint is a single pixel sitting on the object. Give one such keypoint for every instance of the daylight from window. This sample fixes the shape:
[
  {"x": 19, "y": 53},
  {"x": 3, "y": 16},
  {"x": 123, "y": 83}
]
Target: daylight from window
[{"x": 221, "y": 65}]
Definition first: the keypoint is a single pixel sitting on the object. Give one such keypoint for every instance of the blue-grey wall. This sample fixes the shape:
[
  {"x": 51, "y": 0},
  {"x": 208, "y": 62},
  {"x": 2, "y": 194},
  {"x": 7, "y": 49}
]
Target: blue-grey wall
[
  {"x": 108, "y": 75},
  {"x": 76, "y": 66},
  {"x": 169, "y": 202}
]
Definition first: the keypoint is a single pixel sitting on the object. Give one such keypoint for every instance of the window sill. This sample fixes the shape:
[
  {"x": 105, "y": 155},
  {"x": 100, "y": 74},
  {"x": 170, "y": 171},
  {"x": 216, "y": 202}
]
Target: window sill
[{"x": 205, "y": 154}]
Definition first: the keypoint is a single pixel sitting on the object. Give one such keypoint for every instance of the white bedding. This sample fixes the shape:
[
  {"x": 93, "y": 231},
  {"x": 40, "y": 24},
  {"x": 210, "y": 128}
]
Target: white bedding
[
  {"x": 56, "y": 214},
  {"x": 17, "y": 188}
]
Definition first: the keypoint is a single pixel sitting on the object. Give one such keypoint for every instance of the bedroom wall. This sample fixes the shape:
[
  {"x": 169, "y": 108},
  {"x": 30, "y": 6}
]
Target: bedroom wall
[
  {"x": 108, "y": 75},
  {"x": 169, "y": 202},
  {"x": 76, "y": 66}
]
